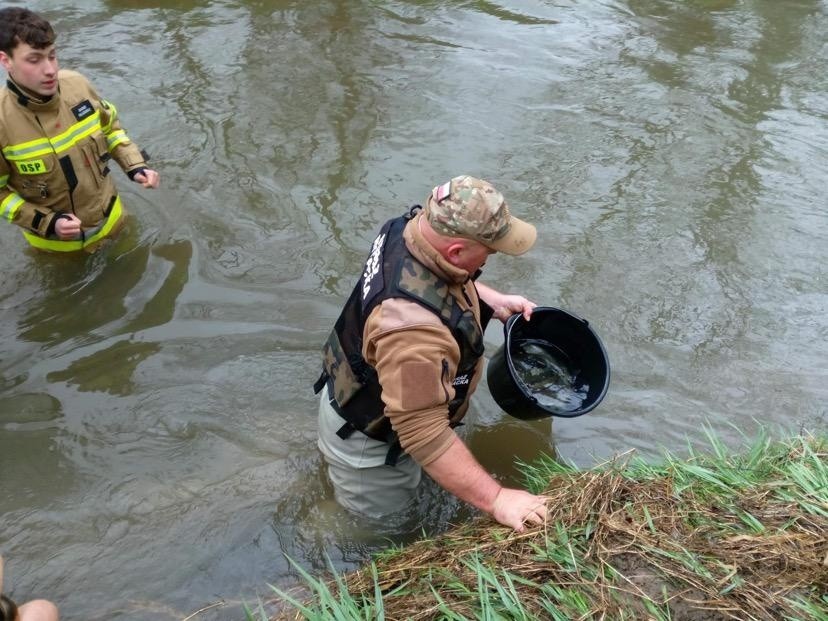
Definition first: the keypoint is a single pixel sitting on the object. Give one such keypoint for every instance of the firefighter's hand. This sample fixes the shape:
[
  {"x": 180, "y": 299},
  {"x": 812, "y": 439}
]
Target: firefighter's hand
[
  {"x": 148, "y": 178},
  {"x": 68, "y": 226}
]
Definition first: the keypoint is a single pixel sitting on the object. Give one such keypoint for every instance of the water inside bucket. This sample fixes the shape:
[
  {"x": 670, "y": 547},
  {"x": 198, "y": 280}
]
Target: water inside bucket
[{"x": 546, "y": 373}]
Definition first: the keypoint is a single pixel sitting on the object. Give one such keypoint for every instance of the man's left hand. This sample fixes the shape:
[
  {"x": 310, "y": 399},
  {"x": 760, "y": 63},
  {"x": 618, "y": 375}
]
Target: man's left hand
[
  {"x": 505, "y": 305},
  {"x": 511, "y": 304}
]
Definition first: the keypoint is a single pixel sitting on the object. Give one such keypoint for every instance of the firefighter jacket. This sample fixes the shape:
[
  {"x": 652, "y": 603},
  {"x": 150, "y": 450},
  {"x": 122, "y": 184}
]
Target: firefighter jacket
[
  {"x": 55, "y": 159},
  {"x": 405, "y": 354}
]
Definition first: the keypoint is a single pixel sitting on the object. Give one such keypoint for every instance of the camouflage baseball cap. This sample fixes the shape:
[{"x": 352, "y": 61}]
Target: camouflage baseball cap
[{"x": 471, "y": 208}]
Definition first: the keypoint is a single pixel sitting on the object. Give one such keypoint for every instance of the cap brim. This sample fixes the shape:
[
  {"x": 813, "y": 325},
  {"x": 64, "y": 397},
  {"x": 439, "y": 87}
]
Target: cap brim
[{"x": 520, "y": 238}]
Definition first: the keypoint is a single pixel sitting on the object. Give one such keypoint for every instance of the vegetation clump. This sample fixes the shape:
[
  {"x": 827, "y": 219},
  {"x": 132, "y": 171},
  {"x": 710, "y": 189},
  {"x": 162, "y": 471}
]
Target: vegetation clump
[{"x": 711, "y": 536}]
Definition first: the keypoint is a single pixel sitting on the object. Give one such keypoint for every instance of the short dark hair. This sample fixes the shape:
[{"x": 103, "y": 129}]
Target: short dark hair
[{"x": 19, "y": 25}]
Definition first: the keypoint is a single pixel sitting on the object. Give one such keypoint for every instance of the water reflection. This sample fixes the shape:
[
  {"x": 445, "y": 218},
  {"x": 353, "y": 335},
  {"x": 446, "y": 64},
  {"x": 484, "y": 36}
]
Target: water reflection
[
  {"x": 83, "y": 293},
  {"x": 33, "y": 430},
  {"x": 502, "y": 443},
  {"x": 160, "y": 308},
  {"x": 502, "y": 12},
  {"x": 120, "y": 359},
  {"x": 103, "y": 297}
]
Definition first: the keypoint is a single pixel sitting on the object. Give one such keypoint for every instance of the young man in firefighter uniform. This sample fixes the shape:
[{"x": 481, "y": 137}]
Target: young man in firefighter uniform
[
  {"x": 406, "y": 354},
  {"x": 58, "y": 138}
]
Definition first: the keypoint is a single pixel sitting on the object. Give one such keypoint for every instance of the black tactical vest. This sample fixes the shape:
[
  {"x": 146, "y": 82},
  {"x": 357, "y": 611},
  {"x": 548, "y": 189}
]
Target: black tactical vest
[{"x": 391, "y": 272}]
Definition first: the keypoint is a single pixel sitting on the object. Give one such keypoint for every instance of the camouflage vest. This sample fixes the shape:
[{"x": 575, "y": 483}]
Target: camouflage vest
[{"x": 390, "y": 272}]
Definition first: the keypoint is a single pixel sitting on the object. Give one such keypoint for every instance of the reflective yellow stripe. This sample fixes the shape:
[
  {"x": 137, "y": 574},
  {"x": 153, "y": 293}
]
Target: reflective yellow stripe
[
  {"x": 55, "y": 245},
  {"x": 116, "y": 138},
  {"x": 25, "y": 150},
  {"x": 113, "y": 114},
  {"x": 10, "y": 206},
  {"x": 105, "y": 229},
  {"x": 90, "y": 237},
  {"x": 59, "y": 143},
  {"x": 78, "y": 131}
]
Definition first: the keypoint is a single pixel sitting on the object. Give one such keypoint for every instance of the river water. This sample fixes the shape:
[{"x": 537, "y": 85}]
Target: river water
[{"x": 157, "y": 425}]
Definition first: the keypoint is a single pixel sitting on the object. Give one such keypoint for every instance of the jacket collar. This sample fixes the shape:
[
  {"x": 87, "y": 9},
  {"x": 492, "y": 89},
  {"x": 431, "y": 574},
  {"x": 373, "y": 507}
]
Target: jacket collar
[
  {"x": 428, "y": 255},
  {"x": 31, "y": 101}
]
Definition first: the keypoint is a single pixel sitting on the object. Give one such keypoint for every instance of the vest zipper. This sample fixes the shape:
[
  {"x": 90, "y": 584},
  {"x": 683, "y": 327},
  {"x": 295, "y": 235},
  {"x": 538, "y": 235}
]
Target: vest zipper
[{"x": 445, "y": 379}]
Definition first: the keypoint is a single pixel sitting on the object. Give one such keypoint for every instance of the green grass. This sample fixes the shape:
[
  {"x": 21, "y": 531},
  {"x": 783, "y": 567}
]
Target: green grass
[{"x": 740, "y": 532}]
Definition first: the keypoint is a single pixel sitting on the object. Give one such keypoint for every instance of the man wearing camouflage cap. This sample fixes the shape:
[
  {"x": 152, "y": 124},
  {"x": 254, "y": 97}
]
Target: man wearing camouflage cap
[{"x": 406, "y": 354}]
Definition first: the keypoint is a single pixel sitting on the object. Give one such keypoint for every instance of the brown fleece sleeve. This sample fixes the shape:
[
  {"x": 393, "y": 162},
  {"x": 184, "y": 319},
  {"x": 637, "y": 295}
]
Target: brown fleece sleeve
[{"x": 415, "y": 356}]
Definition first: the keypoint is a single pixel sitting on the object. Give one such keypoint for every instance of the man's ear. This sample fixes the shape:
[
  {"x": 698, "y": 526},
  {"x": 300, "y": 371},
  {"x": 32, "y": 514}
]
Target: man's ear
[
  {"x": 5, "y": 61},
  {"x": 454, "y": 252}
]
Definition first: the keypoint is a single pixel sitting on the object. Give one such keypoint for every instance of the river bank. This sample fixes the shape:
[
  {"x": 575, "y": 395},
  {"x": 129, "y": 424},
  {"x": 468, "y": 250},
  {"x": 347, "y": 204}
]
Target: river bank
[{"x": 710, "y": 536}]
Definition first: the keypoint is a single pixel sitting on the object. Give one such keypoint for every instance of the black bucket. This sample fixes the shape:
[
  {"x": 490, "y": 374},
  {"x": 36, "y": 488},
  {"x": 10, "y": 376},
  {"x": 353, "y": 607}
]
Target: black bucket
[{"x": 555, "y": 343}]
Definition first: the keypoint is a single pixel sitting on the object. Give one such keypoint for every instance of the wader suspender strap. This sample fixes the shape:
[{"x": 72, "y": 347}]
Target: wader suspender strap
[
  {"x": 394, "y": 452},
  {"x": 346, "y": 430},
  {"x": 320, "y": 383}
]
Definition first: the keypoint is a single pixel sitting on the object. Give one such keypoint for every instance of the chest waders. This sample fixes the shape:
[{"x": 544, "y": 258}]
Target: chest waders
[{"x": 392, "y": 272}]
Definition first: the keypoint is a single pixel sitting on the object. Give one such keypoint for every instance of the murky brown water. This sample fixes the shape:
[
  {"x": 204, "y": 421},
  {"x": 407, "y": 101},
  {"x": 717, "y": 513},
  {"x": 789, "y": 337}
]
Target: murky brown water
[{"x": 157, "y": 426}]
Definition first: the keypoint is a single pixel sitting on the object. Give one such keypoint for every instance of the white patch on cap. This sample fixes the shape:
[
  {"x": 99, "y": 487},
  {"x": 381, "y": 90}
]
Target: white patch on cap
[{"x": 441, "y": 191}]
